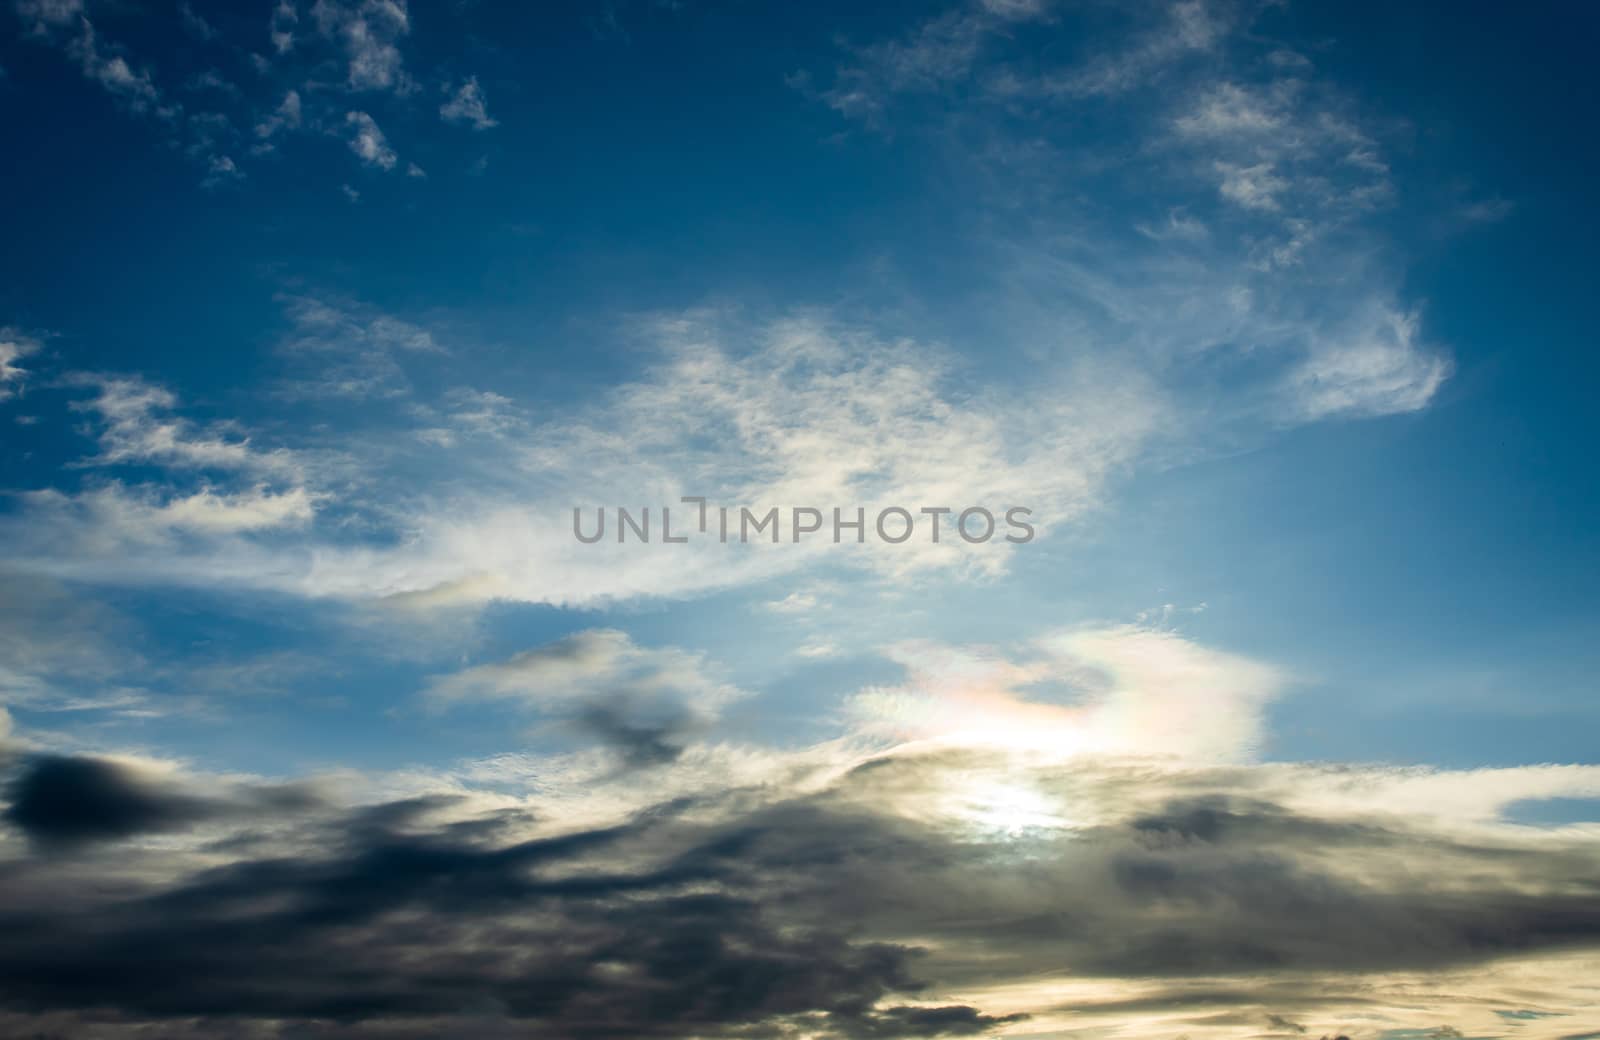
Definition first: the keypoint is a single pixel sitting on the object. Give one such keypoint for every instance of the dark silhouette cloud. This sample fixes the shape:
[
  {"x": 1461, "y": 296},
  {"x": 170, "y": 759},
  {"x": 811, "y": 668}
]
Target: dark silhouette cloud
[{"x": 64, "y": 800}]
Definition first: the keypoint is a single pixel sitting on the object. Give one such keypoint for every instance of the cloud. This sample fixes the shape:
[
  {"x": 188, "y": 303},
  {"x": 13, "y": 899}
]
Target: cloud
[
  {"x": 136, "y": 427},
  {"x": 1287, "y": 266},
  {"x": 1124, "y": 690},
  {"x": 195, "y": 25},
  {"x": 14, "y": 346},
  {"x": 213, "y": 485},
  {"x": 466, "y": 105},
  {"x": 221, "y": 169},
  {"x": 938, "y": 51},
  {"x": 348, "y": 349},
  {"x": 1282, "y": 146},
  {"x": 146, "y": 514},
  {"x": 111, "y": 69},
  {"x": 794, "y": 411},
  {"x": 44, "y": 16},
  {"x": 59, "y": 650},
  {"x": 644, "y": 703},
  {"x": 64, "y": 801},
  {"x": 1195, "y": 900},
  {"x": 1229, "y": 110},
  {"x": 1253, "y": 187},
  {"x": 282, "y": 25},
  {"x": 957, "y": 48},
  {"x": 1188, "y": 27},
  {"x": 1377, "y": 365},
  {"x": 979, "y": 872},
  {"x": 1243, "y": 288},
  {"x": 368, "y": 142},
  {"x": 806, "y": 414},
  {"x": 369, "y": 32},
  {"x": 287, "y": 116}
]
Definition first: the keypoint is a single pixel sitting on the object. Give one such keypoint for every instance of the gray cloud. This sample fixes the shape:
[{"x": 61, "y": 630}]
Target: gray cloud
[{"x": 736, "y": 913}]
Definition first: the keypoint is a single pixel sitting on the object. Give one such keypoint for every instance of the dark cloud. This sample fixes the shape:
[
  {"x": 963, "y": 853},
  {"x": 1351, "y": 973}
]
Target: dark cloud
[
  {"x": 639, "y": 737},
  {"x": 63, "y": 801},
  {"x": 421, "y": 926},
  {"x": 829, "y": 915},
  {"x": 68, "y": 800},
  {"x": 952, "y": 1020}
]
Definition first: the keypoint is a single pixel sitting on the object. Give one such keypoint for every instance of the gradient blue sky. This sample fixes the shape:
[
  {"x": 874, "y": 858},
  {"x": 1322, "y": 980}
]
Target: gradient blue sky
[
  {"x": 1426, "y": 575},
  {"x": 318, "y": 320}
]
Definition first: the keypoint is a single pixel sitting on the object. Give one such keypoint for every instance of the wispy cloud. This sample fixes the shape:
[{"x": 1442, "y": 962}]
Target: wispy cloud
[
  {"x": 349, "y": 350},
  {"x": 466, "y": 105},
  {"x": 138, "y": 425},
  {"x": 1374, "y": 365},
  {"x": 281, "y": 28},
  {"x": 645, "y": 702}
]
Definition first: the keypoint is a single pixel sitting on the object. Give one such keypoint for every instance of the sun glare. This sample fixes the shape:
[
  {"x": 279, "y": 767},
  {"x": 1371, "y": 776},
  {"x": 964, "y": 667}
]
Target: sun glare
[{"x": 1004, "y": 808}]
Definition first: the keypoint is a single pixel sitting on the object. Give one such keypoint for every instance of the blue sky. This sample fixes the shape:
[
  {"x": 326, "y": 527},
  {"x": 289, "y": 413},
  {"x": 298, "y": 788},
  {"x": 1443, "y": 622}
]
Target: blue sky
[{"x": 318, "y": 320}]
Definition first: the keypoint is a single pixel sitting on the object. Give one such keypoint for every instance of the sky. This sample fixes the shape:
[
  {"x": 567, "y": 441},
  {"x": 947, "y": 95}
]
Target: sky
[{"x": 318, "y": 322}]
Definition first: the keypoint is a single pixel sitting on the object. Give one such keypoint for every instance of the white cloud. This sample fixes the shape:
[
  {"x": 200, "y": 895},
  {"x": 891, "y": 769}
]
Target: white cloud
[
  {"x": 136, "y": 428},
  {"x": 794, "y": 603},
  {"x": 1229, "y": 110},
  {"x": 1284, "y": 147},
  {"x": 368, "y": 142},
  {"x": 14, "y": 346},
  {"x": 1122, "y": 691},
  {"x": 1375, "y": 365},
  {"x": 1253, "y": 187},
  {"x": 472, "y": 497},
  {"x": 466, "y": 105},
  {"x": 807, "y": 415},
  {"x": 369, "y": 31},
  {"x": 592, "y": 663},
  {"x": 145, "y": 515},
  {"x": 110, "y": 520}
]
